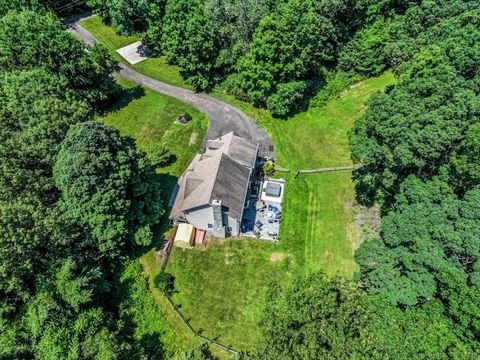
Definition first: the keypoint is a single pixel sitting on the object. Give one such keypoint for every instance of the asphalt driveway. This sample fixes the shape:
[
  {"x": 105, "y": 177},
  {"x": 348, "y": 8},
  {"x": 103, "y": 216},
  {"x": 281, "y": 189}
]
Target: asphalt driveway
[{"x": 223, "y": 117}]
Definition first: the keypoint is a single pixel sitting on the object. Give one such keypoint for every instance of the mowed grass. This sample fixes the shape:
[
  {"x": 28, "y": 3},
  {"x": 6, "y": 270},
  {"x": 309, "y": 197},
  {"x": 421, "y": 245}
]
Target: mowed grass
[
  {"x": 318, "y": 218},
  {"x": 149, "y": 118},
  {"x": 157, "y": 67},
  {"x": 220, "y": 289}
]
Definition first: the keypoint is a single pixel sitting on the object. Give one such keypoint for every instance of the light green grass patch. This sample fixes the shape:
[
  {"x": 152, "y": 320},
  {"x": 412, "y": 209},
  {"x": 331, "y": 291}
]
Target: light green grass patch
[
  {"x": 149, "y": 118},
  {"x": 221, "y": 288},
  {"x": 318, "y": 218},
  {"x": 156, "y": 67}
]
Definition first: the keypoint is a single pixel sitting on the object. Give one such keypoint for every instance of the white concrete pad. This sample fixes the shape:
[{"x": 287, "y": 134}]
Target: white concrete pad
[{"x": 135, "y": 53}]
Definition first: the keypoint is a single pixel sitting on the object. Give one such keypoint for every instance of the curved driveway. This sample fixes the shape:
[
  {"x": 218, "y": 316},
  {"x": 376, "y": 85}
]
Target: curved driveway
[{"x": 223, "y": 117}]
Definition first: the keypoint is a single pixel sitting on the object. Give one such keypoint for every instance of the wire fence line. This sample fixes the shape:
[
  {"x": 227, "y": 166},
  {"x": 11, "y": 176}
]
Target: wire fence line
[
  {"x": 194, "y": 332},
  {"x": 320, "y": 170}
]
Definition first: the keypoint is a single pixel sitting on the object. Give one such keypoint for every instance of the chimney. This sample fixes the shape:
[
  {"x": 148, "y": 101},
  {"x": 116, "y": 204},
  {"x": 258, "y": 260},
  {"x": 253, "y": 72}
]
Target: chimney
[{"x": 218, "y": 227}]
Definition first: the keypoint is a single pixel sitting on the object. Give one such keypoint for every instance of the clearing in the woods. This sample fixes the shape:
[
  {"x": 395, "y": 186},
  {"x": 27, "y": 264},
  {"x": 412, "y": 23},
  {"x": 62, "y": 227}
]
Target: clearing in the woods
[{"x": 220, "y": 288}]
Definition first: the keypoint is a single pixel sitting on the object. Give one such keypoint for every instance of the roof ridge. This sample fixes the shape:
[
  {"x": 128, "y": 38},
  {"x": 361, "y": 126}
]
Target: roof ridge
[{"x": 216, "y": 175}]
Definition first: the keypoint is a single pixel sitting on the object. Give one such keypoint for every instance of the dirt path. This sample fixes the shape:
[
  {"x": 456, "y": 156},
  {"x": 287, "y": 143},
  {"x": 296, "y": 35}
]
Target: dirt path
[{"x": 223, "y": 117}]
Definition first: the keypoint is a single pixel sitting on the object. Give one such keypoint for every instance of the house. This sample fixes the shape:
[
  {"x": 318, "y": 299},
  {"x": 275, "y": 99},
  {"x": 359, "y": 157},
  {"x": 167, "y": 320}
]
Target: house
[{"x": 212, "y": 193}]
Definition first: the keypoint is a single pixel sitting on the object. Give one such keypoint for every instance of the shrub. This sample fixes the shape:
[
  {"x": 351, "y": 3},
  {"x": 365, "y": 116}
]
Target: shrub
[
  {"x": 165, "y": 282},
  {"x": 334, "y": 86},
  {"x": 287, "y": 98},
  {"x": 159, "y": 156},
  {"x": 268, "y": 168}
]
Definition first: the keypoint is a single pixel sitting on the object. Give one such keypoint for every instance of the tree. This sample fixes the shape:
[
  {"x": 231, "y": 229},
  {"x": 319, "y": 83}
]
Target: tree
[
  {"x": 291, "y": 45},
  {"x": 429, "y": 249},
  {"x": 414, "y": 332},
  {"x": 413, "y": 128},
  {"x": 235, "y": 22},
  {"x": 466, "y": 165},
  {"x": 107, "y": 187},
  {"x": 128, "y": 16},
  {"x": 29, "y": 40},
  {"x": 153, "y": 34},
  {"x": 22, "y": 235},
  {"x": 315, "y": 318},
  {"x": 365, "y": 53},
  {"x": 189, "y": 41},
  {"x": 102, "y": 9},
  {"x": 36, "y": 110},
  {"x": 8, "y": 5}
]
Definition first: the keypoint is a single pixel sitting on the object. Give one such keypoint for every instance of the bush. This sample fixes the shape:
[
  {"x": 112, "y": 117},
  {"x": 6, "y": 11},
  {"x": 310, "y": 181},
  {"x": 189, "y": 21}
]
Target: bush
[
  {"x": 201, "y": 352},
  {"x": 165, "y": 282},
  {"x": 287, "y": 98},
  {"x": 159, "y": 156},
  {"x": 268, "y": 168},
  {"x": 335, "y": 84}
]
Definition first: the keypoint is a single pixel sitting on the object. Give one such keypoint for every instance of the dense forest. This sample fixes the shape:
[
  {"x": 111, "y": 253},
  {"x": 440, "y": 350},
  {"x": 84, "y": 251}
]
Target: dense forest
[{"x": 77, "y": 198}]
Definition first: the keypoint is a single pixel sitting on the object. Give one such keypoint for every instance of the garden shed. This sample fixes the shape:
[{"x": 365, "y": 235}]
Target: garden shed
[{"x": 185, "y": 236}]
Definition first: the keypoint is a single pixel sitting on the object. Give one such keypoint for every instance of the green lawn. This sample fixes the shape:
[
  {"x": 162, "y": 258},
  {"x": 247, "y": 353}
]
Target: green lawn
[
  {"x": 220, "y": 289},
  {"x": 149, "y": 117},
  {"x": 317, "y": 222},
  {"x": 156, "y": 68}
]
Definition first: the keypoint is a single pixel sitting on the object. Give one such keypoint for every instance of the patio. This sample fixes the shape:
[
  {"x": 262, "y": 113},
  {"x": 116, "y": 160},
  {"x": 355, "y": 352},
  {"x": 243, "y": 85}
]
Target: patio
[{"x": 263, "y": 216}]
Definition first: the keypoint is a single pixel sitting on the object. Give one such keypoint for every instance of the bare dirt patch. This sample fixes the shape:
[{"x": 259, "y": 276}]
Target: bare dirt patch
[
  {"x": 193, "y": 138},
  {"x": 367, "y": 222},
  {"x": 278, "y": 256}
]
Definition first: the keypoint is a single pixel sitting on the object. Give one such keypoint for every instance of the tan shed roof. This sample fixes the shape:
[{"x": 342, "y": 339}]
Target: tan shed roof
[{"x": 184, "y": 237}]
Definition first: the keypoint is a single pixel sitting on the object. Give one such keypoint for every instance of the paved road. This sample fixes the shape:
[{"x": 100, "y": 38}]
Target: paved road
[{"x": 223, "y": 117}]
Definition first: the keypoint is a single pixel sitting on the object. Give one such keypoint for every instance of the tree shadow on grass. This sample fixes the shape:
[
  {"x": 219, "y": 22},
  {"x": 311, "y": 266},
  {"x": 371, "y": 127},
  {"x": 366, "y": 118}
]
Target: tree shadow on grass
[
  {"x": 125, "y": 96},
  {"x": 168, "y": 183},
  {"x": 149, "y": 345}
]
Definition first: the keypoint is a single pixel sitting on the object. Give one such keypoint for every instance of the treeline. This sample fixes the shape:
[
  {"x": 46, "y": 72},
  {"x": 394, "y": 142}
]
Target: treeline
[
  {"x": 76, "y": 198},
  {"x": 281, "y": 54},
  {"x": 271, "y": 53},
  {"x": 417, "y": 293}
]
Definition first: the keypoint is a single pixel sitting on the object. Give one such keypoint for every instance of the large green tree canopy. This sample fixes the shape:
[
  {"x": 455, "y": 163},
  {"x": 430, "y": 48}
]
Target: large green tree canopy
[
  {"x": 315, "y": 318},
  {"x": 414, "y": 127},
  {"x": 29, "y": 40},
  {"x": 107, "y": 186},
  {"x": 290, "y": 47},
  {"x": 58, "y": 271},
  {"x": 429, "y": 250},
  {"x": 36, "y": 110}
]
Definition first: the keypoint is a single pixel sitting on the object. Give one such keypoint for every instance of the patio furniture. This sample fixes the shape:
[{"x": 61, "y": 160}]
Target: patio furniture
[
  {"x": 260, "y": 205},
  {"x": 259, "y": 224}
]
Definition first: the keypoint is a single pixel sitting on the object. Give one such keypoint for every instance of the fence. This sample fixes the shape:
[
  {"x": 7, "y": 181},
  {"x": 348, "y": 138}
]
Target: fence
[
  {"x": 322, "y": 170},
  {"x": 195, "y": 333}
]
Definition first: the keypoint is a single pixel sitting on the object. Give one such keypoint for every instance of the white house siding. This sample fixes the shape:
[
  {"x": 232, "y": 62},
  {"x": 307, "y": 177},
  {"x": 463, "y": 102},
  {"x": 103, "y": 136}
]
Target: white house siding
[
  {"x": 234, "y": 225},
  {"x": 201, "y": 217}
]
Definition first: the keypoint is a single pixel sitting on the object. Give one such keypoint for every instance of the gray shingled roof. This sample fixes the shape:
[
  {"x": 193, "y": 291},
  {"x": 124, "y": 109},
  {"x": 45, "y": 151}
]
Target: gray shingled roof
[{"x": 222, "y": 174}]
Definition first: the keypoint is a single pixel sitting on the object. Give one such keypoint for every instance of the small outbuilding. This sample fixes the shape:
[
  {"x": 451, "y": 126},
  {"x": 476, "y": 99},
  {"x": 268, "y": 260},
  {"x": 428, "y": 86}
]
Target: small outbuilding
[{"x": 185, "y": 236}]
